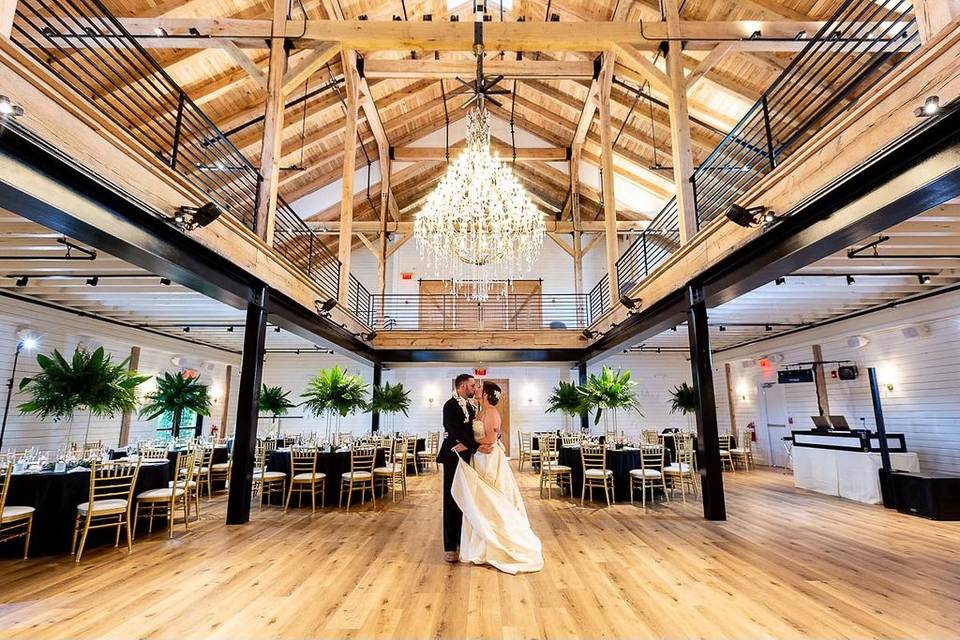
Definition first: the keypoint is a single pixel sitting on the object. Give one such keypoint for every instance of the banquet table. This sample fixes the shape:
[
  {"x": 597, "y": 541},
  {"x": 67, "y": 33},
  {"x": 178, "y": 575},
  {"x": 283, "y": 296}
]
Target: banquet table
[
  {"x": 333, "y": 464},
  {"x": 55, "y": 497},
  {"x": 620, "y": 461}
]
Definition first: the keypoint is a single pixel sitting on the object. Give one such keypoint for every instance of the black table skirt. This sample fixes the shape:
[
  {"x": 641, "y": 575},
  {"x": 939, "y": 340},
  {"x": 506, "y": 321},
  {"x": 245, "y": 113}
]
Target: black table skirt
[
  {"x": 620, "y": 461},
  {"x": 55, "y": 497},
  {"x": 333, "y": 464}
]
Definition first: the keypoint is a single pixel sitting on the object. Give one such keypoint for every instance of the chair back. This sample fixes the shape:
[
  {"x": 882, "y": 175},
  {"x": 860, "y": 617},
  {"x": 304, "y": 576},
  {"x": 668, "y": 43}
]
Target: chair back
[
  {"x": 7, "y": 477},
  {"x": 724, "y": 440},
  {"x": 362, "y": 457},
  {"x": 593, "y": 456},
  {"x": 745, "y": 441},
  {"x": 549, "y": 453},
  {"x": 651, "y": 437},
  {"x": 261, "y": 458},
  {"x": 684, "y": 448},
  {"x": 303, "y": 460},
  {"x": 153, "y": 453},
  {"x": 87, "y": 450},
  {"x": 203, "y": 456},
  {"x": 571, "y": 438},
  {"x": 433, "y": 442},
  {"x": 184, "y": 467},
  {"x": 410, "y": 447},
  {"x": 651, "y": 456},
  {"x": 401, "y": 451},
  {"x": 525, "y": 440},
  {"x": 112, "y": 480}
]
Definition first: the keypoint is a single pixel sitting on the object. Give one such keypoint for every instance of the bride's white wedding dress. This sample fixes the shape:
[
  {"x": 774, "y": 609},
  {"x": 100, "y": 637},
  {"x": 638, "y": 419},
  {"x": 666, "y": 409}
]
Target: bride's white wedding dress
[{"x": 496, "y": 530}]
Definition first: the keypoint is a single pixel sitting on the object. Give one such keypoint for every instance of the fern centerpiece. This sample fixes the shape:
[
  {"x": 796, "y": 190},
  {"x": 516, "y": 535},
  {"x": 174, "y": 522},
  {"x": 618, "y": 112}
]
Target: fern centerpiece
[
  {"x": 390, "y": 400},
  {"x": 568, "y": 400},
  {"x": 89, "y": 380},
  {"x": 274, "y": 402},
  {"x": 176, "y": 394},
  {"x": 683, "y": 400},
  {"x": 612, "y": 391},
  {"x": 335, "y": 394}
]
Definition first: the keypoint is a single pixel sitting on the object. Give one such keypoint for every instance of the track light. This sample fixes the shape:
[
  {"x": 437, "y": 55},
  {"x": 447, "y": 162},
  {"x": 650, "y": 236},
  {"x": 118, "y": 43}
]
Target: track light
[
  {"x": 8, "y": 108},
  {"x": 454, "y": 18},
  {"x": 588, "y": 334},
  {"x": 369, "y": 336},
  {"x": 768, "y": 328},
  {"x": 554, "y": 17},
  {"x": 324, "y": 307},
  {"x": 743, "y": 216},
  {"x": 190, "y": 218},
  {"x": 165, "y": 282},
  {"x": 186, "y": 329},
  {"x": 428, "y": 17},
  {"x": 779, "y": 281},
  {"x": 160, "y": 32},
  {"x": 22, "y": 281},
  {"x": 93, "y": 281},
  {"x": 924, "y": 278},
  {"x": 755, "y": 35},
  {"x": 850, "y": 280},
  {"x": 931, "y": 107},
  {"x": 276, "y": 329},
  {"x": 230, "y": 329},
  {"x": 722, "y": 328},
  {"x": 630, "y": 303}
]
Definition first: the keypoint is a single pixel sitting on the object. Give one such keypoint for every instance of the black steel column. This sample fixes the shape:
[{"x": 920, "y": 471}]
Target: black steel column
[
  {"x": 708, "y": 442},
  {"x": 245, "y": 432},
  {"x": 375, "y": 415},
  {"x": 582, "y": 380}
]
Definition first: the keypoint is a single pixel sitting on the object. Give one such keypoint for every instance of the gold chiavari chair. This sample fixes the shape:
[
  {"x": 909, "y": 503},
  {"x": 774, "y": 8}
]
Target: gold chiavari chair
[
  {"x": 683, "y": 471},
  {"x": 87, "y": 450},
  {"x": 726, "y": 458},
  {"x": 219, "y": 470},
  {"x": 360, "y": 476},
  {"x": 429, "y": 454},
  {"x": 743, "y": 452},
  {"x": 15, "y": 522},
  {"x": 266, "y": 483},
  {"x": 568, "y": 439},
  {"x": 409, "y": 454},
  {"x": 551, "y": 471},
  {"x": 595, "y": 472},
  {"x": 108, "y": 504},
  {"x": 527, "y": 452},
  {"x": 650, "y": 436},
  {"x": 393, "y": 475},
  {"x": 153, "y": 453},
  {"x": 185, "y": 476},
  {"x": 304, "y": 477},
  {"x": 203, "y": 455},
  {"x": 164, "y": 501},
  {"x": 650, "y": 473}
]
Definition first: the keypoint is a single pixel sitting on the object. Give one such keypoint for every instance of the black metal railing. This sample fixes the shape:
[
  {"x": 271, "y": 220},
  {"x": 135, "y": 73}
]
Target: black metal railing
[
  {"x": 442, "y": 311},
  {"x": 360, "y": 301},
  {"x": 598, "y": 300},
  {"x": 89, "y": 50},
  {"x": 862, "y": 42}
]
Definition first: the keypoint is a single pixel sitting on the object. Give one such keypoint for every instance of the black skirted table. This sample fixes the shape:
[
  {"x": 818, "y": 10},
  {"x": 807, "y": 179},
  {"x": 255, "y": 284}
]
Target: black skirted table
[
  {"x": 620, "y": 461},
  {"x": 55, "y": 497},
  {"x": 333, "y": 464}
]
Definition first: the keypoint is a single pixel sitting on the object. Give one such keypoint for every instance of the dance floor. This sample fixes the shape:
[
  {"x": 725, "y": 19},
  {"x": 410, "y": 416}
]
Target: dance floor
[{"x": 786, "y": 564}]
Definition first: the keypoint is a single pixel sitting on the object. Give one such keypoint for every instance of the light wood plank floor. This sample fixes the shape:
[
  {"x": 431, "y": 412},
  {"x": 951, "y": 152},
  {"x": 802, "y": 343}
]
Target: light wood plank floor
[{"x": 786, "y": 564}]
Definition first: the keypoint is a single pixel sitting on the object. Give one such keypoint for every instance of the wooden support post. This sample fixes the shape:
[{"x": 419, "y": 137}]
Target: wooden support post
[
  {"x": 708, "y": 440},
  {"x": 385, "y": 196},
  {"x": 680, "y": 127},
  {"x": 574, "y": 169},
  {"x": 271, "y": 149},
  {"x": 933, "y": 16},
  {"x": 823, "y": 402},
  {"x": 345, "y": 244},
  {"x": 245, "y": 434},
  {"x": 127, "y": 416},
  {"x": 8, "y": 11},
  {"x": 731, "y": 398},
  {"x": 225, "y": 409},
  {"x": 606, "y": 162}
]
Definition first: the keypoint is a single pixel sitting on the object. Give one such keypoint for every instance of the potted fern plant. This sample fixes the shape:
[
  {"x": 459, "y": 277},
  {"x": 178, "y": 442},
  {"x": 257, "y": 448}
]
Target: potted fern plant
[
  {"x": 568, "y": 400},
  {"x": 274, "y": 402},
  {"x": 335, "y": 394},
  {"x": 89, "y": 380},
  {"x": 611, "y": 391},
  {"x": 683, "y": 400},
  {"x": 176, "y": 394},
  {"x": 390, "y": 400}
]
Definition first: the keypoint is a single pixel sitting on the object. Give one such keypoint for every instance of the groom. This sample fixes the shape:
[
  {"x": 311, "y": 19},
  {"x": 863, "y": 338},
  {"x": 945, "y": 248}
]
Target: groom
[{"x": 459, "y": 442}]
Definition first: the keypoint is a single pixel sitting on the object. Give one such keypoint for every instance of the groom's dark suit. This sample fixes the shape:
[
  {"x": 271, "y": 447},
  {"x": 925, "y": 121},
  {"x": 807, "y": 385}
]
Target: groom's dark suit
[{"x": 459, "y": 428}]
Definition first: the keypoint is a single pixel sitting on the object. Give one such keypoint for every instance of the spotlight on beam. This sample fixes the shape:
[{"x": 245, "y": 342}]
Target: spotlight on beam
[
  {"x": 779, "y": 281},
  {"x": 8, "y": 108},
  {"x": 160, "y": 32},
  {"x": 743, "y": 216},
  {"x": 369, "y": 336},
  {"x": 722, "y": 328},
  {"x": 191, "y": 218},
  {"x": 924, "y": 278},
  {"x": 930, "y": 107},
  {"x": 165, "y": 282},
  {"x": 22, "y": 281},
  {"x": 186, "y": 329},
  {"x": 324, "y": 307},
  {"x": 630, "y": 303},
  {"x": 276, "y": 329},
  {"x": 850, "y": 280},
  {"x": 768, "y": 328},
  {"x": 93, "y": 281},
  {"x": 588, "y": 334},
  {"x": 230, "y": 329}
]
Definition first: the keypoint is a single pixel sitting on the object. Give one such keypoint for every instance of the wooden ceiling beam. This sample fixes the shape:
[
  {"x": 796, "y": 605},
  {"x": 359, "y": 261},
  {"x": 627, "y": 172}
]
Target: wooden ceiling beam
[
  {"x": 432, "y": 69},
  {"x": 417, "y": 154}
]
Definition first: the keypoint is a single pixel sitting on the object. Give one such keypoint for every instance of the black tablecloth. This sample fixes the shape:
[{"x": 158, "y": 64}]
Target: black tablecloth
[
  {"x": 620, "y": 461},
  {"x": 333, "y": 464},
  {"x": 55, "y": 497}
]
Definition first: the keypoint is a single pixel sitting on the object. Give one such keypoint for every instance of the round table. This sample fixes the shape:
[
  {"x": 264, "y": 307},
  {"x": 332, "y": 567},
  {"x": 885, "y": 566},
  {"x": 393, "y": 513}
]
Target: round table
[
  {"x": 333, "y": 464},
  {"x": 620, "y": 461},
  {"x": 55, "y": 497}
]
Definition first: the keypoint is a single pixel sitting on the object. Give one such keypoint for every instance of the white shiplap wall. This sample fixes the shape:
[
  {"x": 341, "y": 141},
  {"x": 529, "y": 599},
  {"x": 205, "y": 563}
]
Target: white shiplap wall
[
  {"x": 924, "y": 372},
  {"x": 65, "y": 331}
]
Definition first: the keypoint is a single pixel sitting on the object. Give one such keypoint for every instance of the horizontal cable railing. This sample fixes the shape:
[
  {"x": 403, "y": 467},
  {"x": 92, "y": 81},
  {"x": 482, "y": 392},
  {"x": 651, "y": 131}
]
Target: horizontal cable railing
[
  {"x": 862, "y": 42},
  {"x": 85, "y": 46},
  {"x": 441, "y": 311}
]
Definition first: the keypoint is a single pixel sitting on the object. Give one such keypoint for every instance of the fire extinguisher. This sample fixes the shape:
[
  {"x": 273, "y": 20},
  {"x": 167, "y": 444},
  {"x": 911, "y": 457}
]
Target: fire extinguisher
[{"x": 752, "y": 430}]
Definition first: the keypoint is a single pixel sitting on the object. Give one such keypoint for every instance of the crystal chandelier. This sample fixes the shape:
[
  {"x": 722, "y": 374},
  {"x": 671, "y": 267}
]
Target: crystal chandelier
[{"x": 478, "y": 229}]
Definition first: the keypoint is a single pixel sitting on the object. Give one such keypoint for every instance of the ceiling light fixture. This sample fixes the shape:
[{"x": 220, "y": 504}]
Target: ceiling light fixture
[
  {"x": 630, "y": 303},
  {"x": 22, "y": 281},
  {"x": 850, "y": 280},
  {"x": 324, "y": 307},
  {"x": 588, "y": 334},
  {"x": 165, "y": 282},
  {"x": 9, "y": 109},
  {"x": 779, "y": 281},
  {"x": 743, "y": 216},
  {"x": 93, "y": 281},
  {"x": 930, "y": 107},
  {"x": 191, "y": 218},
  {"x": 924, "y": 278}
]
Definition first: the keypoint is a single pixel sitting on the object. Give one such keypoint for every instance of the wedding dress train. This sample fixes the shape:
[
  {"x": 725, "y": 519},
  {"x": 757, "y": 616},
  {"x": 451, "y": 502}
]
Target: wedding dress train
[{"x": 496, "y": 530}]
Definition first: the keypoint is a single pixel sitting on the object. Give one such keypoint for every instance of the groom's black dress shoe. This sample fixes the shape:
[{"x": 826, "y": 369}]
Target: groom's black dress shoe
[{"x": 451, "y": 556}]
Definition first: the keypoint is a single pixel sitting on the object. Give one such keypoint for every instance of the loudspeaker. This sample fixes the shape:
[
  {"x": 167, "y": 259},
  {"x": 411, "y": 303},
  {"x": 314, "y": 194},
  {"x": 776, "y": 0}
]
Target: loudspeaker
[
  {"x": 927, "y": 494},
  {"x": 918, "y": 331},
  {"x": 857, "y": 342},
  {"x": 847, "y": 372}
]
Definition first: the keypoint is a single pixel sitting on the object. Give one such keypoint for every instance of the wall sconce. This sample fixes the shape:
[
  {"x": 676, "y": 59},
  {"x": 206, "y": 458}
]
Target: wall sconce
[
  {"x": 742, "y": 390},
  {"x": 430, "y": 401},
  {"x": 216, "y": 392}
]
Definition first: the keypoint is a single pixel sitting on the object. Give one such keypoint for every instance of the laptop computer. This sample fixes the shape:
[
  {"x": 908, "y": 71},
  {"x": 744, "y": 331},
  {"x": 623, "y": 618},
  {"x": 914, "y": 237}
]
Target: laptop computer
[
  {"x": 819, "y": 422},
  {"x": 839, "y": 423}
]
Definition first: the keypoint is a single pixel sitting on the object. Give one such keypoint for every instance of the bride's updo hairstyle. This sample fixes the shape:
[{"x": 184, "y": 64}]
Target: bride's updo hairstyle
[{"x": 491, "y": 391}]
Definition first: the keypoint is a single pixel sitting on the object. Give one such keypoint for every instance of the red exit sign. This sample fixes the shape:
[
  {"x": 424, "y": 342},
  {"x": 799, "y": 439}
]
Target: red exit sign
[
  {"x": 480, "y": 372},
  {"x": 406, "y": 275}
]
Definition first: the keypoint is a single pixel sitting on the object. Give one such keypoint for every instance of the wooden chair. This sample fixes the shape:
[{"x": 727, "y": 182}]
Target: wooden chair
[
  {"x": 203, "y": 456},
  {"x": 164, "y": 501},
  {"x": 304, "y": 477},
  {"x": 360, "y": 476},
  {"x": 87, "y": 450},
  {"x": 219, "y": 471},
  {"x": 108, "y": 504},
  {"x": 409, "y": 454},
  {"x": 393, "y": 475},
  {"x": 153, "y": 453},
  {"x": 266, "y": 483},
  {"x": 15, "y": 522},
  {"x": 650, "y": 436},
  {"x": 684, "y": 470},
  {"x": 429, "y": 454},
  {"x": 551, "y": 471},
  {"x": 650, "y": 473},
  {"x": 185, "y": 476},
  {"x": 743, "y": 452},
  {"x": 526, "y": 450},
  {"x": 726, "y": 458},
  {"x": 595, "y": 472},
  {"x": 568, "y": 439}
]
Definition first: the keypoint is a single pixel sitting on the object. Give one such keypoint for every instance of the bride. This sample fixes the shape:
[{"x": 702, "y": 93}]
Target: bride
[{"x": 495, "y": 526}]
